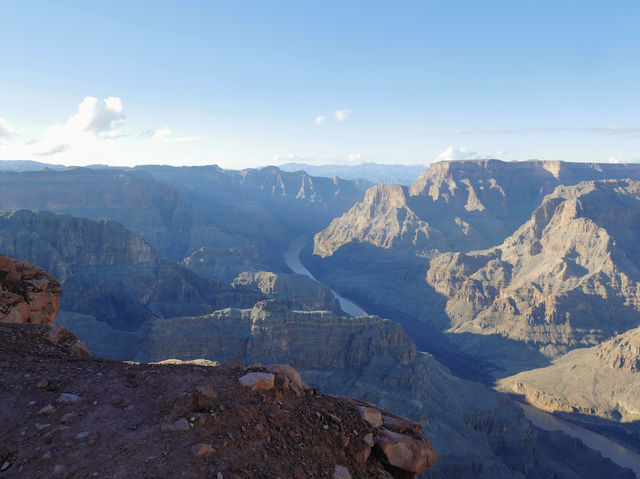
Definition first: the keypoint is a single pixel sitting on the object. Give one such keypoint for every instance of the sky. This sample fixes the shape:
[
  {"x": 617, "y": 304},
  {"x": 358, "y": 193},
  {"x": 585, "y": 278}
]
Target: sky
[{"x": 243, "y": 84}]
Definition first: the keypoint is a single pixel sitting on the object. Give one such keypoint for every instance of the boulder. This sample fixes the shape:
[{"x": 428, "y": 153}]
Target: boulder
[
  {"x": 258, "y": 381},
  {"x": 404, "y": 452}
]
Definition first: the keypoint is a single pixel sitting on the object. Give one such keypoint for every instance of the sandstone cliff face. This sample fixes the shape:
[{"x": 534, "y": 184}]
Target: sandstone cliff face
[
  {"x": 600, "y": 381},
  {"x": 569, "y": 277},
  {"x": 457, "y": 205},
  {"x": 27, "y": 293},
  {"x": 111, "y": 273}
]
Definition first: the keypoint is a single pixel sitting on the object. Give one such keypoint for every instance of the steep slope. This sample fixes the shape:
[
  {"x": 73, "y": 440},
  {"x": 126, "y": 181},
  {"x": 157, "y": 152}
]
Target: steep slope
[
  {"x": 111, "y": 273},
  {"x": 601, "y": 381},
  {"x": 569, "y": 277}
]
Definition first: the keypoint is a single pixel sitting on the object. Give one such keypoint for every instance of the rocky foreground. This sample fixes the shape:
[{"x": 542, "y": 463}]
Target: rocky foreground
[{"x": 66, "y": 414}]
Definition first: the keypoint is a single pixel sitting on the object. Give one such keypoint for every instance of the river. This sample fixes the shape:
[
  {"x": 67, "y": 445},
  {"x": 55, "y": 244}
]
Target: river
[
  {"x": 292, "y": 259},
  {"x": 608, "y": 448}
]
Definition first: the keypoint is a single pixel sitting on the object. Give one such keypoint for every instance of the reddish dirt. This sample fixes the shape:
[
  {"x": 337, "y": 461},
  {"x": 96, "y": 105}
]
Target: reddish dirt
[{"x": 115, "y": 429}]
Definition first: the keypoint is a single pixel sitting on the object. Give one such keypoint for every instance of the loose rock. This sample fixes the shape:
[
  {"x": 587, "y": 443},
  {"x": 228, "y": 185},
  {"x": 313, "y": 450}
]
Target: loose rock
[{"x": 258, "y": 381}]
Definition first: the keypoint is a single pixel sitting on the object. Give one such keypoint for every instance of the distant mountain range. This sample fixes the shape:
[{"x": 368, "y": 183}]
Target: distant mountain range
[{"x": 372, "y": 172}]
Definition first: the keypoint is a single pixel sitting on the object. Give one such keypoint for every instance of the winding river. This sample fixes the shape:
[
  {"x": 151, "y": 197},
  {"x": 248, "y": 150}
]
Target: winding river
[
  {"x": 608, "y": 448},
  {"x": 292, "y": 259}
]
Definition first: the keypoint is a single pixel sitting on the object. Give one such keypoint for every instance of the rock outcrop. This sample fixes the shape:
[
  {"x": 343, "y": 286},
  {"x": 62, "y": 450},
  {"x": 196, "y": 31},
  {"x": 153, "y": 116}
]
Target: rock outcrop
[
  {"x": 601, "y": 381},
  {"x": 569, "y": 277},
  {"x": 27, "y": 293},
  {"x": 300, "y": 292},
  {"x": 457, "y": 205},
  {"x": 65, "y": 415}
]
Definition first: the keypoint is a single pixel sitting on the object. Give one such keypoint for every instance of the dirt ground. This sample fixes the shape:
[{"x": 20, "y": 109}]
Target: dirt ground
[{"x": 77, "y": 417}]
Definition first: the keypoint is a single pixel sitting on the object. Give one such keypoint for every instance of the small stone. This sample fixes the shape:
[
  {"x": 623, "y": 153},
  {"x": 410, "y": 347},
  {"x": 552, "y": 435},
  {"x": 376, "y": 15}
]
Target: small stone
[
  {"x": 219, "y": 476},
  {"x": 68, "y": 398},
  {"x": 40, "y": 427},
  {"x": 48, "y": 409},
  {"x": 203, "y": 450},
  {"x": 258, "y": 381},
  {"x": 67, "y": 418},
  {"x": 47, "y": 456},
  {"x": 42, "y": 384},
  {"x": 5, "y": 466},
  {"x": 368, "y": 439},
  {"x": 341, "y": 472},
  {"x": 32, "y": 403},
  {"x": 325, "y": 427},
  {"x": 370, "y": 415},
  {"x": 180, "y": 425},
  {"x": 58, "y": 468},
  {"x": 82, "y": 435}
]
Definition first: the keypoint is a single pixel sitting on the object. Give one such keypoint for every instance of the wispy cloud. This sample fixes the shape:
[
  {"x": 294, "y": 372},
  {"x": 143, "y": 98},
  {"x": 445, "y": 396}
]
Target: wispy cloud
[
  {"x": 320, "y": 120},
  {"x": 54, "y": 151},
  {"x": 606, "y": 130},
  {"x": 342, "y": 115}
]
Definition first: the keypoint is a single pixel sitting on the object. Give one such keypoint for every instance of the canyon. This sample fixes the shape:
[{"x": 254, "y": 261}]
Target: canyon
[{"x": 486, "y": 271}]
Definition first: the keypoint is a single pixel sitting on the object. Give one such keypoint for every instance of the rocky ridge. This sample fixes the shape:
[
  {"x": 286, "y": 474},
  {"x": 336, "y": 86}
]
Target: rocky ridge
[
  {"x": 457, "y": 205},
  {"x": 569, "y": 277}
]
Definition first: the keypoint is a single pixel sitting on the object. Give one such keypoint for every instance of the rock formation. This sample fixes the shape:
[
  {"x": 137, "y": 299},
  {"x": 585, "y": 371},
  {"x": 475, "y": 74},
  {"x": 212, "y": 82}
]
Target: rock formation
[
  {"x": 601, "y": 381},
  {"x": 569, "y": 277},
  {"x": 457, "y": 205},
  {"x": 27, "y": 293},
  {"x": 300, "y": 292}
]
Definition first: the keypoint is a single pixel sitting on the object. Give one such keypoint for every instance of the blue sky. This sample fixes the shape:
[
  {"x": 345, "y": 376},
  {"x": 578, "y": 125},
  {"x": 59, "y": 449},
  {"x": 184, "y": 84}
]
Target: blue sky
[{"x": 251, "y": 83}]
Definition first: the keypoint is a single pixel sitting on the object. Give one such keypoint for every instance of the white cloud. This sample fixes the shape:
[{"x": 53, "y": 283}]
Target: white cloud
[
  {"x": 452, "y": 154},
  {"x": 163, "y": 134},
  {"x": 6, "y": 132},
  {"x": 341, "y": 115},
  {"x": 320, "y": 120},
  {"x": 95, "y": 120}
]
